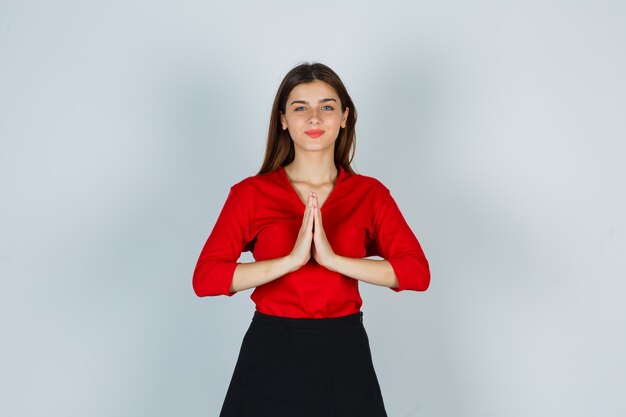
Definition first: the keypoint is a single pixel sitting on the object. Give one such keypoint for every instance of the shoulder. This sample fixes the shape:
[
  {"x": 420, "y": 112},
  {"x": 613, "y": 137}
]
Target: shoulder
[
  {"x": 252, "y": 183},
  {"x": 372, "y": 184}
]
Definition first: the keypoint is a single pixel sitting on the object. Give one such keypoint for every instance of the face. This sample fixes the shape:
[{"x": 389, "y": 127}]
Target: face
[{"x": 313, "y": 116}]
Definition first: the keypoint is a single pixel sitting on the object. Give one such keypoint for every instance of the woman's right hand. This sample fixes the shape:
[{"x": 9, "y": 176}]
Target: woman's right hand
[{"x": 301, "y": 252}]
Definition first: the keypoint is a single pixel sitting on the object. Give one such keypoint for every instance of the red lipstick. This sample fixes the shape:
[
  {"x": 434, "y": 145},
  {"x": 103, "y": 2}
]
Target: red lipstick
[{"x": 314, "y": 133}]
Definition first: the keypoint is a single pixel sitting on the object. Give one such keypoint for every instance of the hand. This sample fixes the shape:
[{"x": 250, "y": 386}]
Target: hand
[
  {"x": 301, "y": 252},
  {"x": 322, "y": 252}
]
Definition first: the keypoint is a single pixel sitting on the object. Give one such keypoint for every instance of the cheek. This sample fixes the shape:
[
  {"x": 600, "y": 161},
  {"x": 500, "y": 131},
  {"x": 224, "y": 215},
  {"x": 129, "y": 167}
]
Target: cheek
[
  {"x": 295, "y": 120},
  {"x": 332, "y": 121}
]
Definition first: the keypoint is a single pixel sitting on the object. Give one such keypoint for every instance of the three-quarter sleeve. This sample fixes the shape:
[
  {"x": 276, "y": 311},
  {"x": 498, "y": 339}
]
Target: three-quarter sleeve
[
  {"x": 394, "y": 241},
  {"x": 216, "y": 264}
]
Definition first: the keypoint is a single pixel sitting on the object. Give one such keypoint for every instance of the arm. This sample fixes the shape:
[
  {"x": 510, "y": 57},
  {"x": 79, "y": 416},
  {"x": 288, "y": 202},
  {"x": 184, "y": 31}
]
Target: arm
[
  {"x": 217, "y": 262},
  {"x": 393, "y": 239},
  {"x": 373, "y": 271},
  {"x": 218, "y": 272},
  {"x": 404, "y": 268},
  {"x": 252, "y": 274}
]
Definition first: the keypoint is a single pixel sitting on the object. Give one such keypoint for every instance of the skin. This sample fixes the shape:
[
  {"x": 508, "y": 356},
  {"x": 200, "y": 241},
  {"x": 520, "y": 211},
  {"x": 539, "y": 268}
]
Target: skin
[{"x": 313, "y": 173}]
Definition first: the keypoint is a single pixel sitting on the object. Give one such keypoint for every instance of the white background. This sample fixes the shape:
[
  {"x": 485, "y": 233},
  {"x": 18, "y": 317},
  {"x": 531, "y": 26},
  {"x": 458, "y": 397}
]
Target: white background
[{"x": 498, "y": 126}]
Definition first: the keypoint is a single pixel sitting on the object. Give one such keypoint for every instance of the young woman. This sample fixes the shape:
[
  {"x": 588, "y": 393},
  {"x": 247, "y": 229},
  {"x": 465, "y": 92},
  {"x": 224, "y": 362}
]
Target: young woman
[{"x": 309, "y": 221}]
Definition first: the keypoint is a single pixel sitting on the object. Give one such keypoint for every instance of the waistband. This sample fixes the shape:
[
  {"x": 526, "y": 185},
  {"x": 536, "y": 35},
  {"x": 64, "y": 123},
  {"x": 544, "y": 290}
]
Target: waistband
[{"x": 308, "y": 323}]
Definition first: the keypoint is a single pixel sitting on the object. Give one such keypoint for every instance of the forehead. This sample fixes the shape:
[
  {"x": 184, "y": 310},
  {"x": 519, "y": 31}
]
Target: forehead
[{"x": 313, "y": 90}]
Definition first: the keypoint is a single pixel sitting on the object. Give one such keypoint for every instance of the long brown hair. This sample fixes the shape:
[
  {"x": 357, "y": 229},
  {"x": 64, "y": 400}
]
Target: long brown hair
[{"x": 280, "y": 149}]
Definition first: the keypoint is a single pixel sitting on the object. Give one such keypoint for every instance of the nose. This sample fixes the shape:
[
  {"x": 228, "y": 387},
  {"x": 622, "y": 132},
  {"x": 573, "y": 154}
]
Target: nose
[{"x": 314, "y": 120}]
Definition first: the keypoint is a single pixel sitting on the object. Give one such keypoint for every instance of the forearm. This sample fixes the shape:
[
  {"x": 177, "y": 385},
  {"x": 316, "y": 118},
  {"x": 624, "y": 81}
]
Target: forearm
[
  {"x": 372, "y": 271},
  {"x": 252, "y": 274}
]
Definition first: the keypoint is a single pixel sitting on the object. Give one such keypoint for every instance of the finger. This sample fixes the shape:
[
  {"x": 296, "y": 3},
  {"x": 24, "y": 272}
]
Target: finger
[
  {"x": 306, "y": 220},
  {"x": 306, "y": 215},
  {"x": 318, "y": 218},
  {"x": 308, "y": 206}
]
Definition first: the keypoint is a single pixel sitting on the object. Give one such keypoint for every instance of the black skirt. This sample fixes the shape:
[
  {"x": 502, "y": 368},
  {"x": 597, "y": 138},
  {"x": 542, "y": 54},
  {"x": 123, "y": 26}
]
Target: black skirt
[{"x": 291, "y": 367}]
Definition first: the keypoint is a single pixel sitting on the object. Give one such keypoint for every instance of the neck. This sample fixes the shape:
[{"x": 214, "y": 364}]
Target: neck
[{"x": 313, "y": 170}]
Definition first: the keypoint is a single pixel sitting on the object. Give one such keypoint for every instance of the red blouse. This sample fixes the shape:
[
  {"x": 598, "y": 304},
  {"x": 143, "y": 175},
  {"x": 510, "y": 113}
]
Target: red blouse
[{"x": 263, "y": 214}]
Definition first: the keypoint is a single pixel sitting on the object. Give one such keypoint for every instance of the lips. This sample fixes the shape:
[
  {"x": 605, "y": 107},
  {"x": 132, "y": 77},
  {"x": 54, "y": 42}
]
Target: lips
[{"x": 314, "y": 133}]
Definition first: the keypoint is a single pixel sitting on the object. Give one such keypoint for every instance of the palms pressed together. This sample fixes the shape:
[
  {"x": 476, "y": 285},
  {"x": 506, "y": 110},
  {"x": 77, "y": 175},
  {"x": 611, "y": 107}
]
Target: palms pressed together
[{"x": 312, "y": 239}]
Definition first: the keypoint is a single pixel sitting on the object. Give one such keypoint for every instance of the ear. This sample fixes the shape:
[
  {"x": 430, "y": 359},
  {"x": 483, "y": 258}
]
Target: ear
[
  {"x": 283, "y": 121},
  {"x": 344, "y": 118}
]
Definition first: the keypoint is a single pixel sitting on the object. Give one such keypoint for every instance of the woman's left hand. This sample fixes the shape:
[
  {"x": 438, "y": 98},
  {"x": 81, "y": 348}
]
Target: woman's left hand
[{"x": 322, "y": 252}]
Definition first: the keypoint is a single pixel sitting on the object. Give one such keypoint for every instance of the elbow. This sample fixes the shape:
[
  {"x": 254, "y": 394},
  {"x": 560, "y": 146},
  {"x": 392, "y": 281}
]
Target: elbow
[
  {"x": 413, "y": 273},
  {"x": 213, "y": 278},
  {"x": 423, "y": 275},
  {"x": 423, "y": 281},
  {"x": 419, "y": 282},
  {"x": 198, "y": 282}
]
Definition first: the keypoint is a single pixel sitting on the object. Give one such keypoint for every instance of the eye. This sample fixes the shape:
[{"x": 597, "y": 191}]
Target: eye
[
  {"x": 329, "y": 107},
  {"x": 298, "y": 108}
]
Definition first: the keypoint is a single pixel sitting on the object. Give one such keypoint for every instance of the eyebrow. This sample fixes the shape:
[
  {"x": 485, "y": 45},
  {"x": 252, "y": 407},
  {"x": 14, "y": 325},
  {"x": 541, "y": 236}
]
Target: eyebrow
[{"x": 324, "y": 100}]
